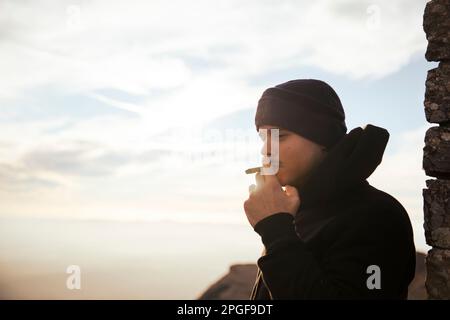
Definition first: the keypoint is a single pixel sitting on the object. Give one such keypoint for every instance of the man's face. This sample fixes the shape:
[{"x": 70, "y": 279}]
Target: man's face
[{"x": 297, "y": 156}]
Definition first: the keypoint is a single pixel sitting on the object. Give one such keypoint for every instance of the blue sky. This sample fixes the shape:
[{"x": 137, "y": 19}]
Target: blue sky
[{"x": 94, "y": 93}]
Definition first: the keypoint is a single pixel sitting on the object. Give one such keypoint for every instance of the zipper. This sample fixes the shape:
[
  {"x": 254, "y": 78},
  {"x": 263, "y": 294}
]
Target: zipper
[{"x": 256, "y": 286}]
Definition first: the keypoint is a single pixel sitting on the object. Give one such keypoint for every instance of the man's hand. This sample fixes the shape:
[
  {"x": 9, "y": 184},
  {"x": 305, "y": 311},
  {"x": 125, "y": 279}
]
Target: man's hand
[{"x": 268, "y": 198}]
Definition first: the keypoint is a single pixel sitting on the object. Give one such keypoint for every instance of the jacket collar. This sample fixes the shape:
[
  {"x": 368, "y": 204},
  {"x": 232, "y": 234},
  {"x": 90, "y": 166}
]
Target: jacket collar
[{"x": 347, "y": 166}]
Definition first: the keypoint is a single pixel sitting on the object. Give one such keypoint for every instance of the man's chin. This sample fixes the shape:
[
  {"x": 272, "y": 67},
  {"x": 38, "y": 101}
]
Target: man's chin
[
  {"x": 286, "y": 181},
  {"x": 282, "y": 179}
]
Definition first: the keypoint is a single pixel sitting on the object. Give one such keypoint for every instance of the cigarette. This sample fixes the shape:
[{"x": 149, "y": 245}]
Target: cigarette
[{"x": 253, "y": 170}]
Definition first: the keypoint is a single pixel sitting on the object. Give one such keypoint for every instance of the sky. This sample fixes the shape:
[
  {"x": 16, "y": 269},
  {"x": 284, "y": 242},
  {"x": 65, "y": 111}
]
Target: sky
[{"x": 144, "y": 110}]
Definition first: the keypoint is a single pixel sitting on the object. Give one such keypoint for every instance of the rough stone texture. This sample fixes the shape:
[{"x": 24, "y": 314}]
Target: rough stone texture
[
  {"x": 437, "y": 94},
  {"x": 438, "y": 274},
  {"x": 437, "y": 213},
  {"x": 436, "y": 153},
  {"x": 436, "y": 24},
  {"x": 238, "y": 283}
]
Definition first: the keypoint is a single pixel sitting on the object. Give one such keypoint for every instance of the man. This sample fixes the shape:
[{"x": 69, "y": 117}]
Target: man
[{"x": 329, "y": 234}]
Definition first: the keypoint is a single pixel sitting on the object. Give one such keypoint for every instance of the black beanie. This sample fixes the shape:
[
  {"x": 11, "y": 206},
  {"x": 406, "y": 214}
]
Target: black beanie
[{"x": 308, "y": 107}]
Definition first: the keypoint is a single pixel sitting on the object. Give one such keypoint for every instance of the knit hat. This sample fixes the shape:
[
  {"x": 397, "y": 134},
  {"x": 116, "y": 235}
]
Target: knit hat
[{"x": 308, "y": 107}]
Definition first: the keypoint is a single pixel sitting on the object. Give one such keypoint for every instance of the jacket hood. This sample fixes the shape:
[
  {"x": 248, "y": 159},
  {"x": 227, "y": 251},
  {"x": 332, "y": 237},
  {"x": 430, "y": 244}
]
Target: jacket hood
[{"x": 348, "y": 164}]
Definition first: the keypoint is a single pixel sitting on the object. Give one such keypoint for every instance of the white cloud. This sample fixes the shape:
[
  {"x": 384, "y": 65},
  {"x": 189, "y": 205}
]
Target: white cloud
[
  {"x": 137, "y": 46},
  {"x": 188, "y": 62}
]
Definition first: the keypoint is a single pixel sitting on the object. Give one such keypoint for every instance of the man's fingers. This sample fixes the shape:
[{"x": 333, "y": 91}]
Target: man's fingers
[
  {"x": 259, "y": 179},
  {"x": 251, "y": 188},
  {"x": 272, "y": 179}
]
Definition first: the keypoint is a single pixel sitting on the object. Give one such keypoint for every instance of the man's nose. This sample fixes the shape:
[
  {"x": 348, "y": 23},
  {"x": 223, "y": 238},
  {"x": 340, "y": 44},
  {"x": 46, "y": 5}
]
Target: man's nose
[{"x": 266, "y": 145}]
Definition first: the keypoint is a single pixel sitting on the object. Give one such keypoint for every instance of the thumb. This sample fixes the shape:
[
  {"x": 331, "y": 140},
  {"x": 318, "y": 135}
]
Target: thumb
[{"x": 291, "y": 191}]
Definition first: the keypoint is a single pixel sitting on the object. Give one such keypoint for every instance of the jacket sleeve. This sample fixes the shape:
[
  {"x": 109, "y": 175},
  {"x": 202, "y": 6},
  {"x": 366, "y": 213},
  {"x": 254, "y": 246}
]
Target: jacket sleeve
[{"x": 291, "y": 271}]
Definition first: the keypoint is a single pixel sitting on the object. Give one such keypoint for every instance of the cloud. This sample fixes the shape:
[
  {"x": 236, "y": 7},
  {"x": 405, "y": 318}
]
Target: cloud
[
  {"x": 138, "y": 46},
  {"x": 187, "y": 63},
  {"x": 44, "y": 168},
  {"x": 174, "y": 64},
  {"x": 20, "y": 179},
  {"x": 81, "y": 159}
]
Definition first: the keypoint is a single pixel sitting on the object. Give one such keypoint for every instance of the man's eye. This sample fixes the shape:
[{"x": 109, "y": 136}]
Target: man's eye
[
  {"x": 279, "y": 136},
  {"x": 264, "y": 136}
]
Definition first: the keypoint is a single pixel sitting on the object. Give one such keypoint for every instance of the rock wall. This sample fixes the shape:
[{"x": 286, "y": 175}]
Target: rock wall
[{"x": 436, "y": 153}]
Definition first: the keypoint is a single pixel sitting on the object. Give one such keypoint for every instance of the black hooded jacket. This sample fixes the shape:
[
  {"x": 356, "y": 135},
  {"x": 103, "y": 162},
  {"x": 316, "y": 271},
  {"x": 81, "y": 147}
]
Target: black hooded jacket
[{"x": 343, "y": 231}]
